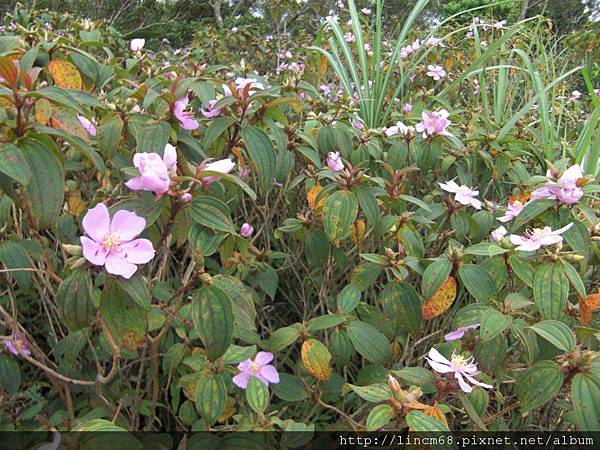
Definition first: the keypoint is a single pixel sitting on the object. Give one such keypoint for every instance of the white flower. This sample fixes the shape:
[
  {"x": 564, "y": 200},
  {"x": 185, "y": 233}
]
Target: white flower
[
  {"x": 460, "y": 366},
  {"x": 537, "y": 238},
  {"x": 462, "y": 194}
]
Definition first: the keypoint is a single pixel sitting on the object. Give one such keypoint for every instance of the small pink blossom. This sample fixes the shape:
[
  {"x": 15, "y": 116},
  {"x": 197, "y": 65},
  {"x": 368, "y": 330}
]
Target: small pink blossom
[
  {"x": 407, "y": 132},
  {"x": 349, "y": 37},
  {"x": 498, "y": 233},
  {"x": 259, "y": 368},
  {"x": 186, "y": 197},
  {"x": 185, "y": 118},
  {"x": 222, "y": 166},
  {"x": 460, "y": 332},
  {"x": 459, "y": 365},
  {"x": 155, "y": 172},
  {"x": 112, "y": 242},
  {"x": 462, "y": 194},
  {"x": 565, "y": 189},
  {"x": 536, "y": 238},
  {"x": 407, "y": 108},
  {"x": 357, "y": 124},
  {"x": 334, "y": 162},
  {"x": 136, "y": 45},
  {"x": 246, "y": 230},
  {"x": 18, "y": 345},
  {"x": 210, "y": 111},
  {"x": 436, "y": 72},
  {"x": 434, "y": 124},
  {"x": 88, "y": 125},
  {"x": 512, "y": 211}
]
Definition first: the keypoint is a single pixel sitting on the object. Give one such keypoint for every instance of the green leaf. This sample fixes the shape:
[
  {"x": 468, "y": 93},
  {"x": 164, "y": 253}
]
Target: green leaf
[
  {"x": 557, "y": 333},
  {"x": 211, "y": 394},
  {"x": 373, "y": 393},
  {"x": 485, "y": 249},
  {"x": 46, "y": 188},
  {"x": 213, "y": 320},
  {"x": 324, "y": 322},
  {"x": 242, "y": 304},
  {"x": 153, "y": 138},
  {"x": 493, "y": 323},
  {"x": 236, "y": 354},
  {"x": 538, "y": 384},
  {"x": 326, "y": 139},
  {"x": 369, "y": 342},
  {"x": 339, "y": 213},
  {"x": 75, "y": 302},
  {"x": 574, "y": 278},
  {"x": 317, "y": 247},
  {"x": 550, "y": 290},
  {"x": 531, "y": 210},
  {"x": 58, "y": 96},
  {"x": 212, "y": 213},
  {"x": 379, "y": 417},
  {"x": 262, "y": 154},
  {"x": 348, "y": 299},
  {"x": 522, "y": 269},
  {"x": 126, "y": 321},
  {"x": 216, "y": 128},
  {"x": 585, "y": 391},
  {"x": 257, "y": 395},
  {"x": 368, "y": 204},
  {"x": 434, "y": 276},
  {"x": 478, "y": 282},
  {"x": 289, "y": 388},
  {"x": 13, "y": 256},
  {"x": 10, "y": 375},
  {"x": 416, "y": 376},
  {"x": 13, "y": 164},
  {"x": 418, "y": 421},
  {"x": 145, "y": 207},
  {"x": 402, "y": 305},
  {"x": 282, "y": 338},
  {"x": 137, "y": 288},
  {"x": 109, "y": 134}
]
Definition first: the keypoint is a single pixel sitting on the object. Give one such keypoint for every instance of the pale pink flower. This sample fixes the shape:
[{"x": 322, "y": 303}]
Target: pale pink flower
[
  {"x": 434, "y": 124},
  {"x": 241, "y": 84},
  {"x": 575, "y": 95},
  {"x": 186, "y": 197},
  {"x": 210, "y": 111},
  {"x": 460, "y": 332},
  {"x": 402, "y": 129},
  {"x": 597, "y": 92},
  {"x": 155, "y": 172},
  {"x": 434, "y": 42},
  {"x": 185, "y": 118},
  {"x": 259, "y": 368},
  {"x": 136, "y": 45},
  {"x": 565, "y": 189},
  {"x": 357, "y": 124},
  {"x": 536, "y": 238},
  {"x": 366, "y": 11},
  {"x": 222, "y": 166},
  {"x": 246, "y": 230},
  {"x": 498, "y": 233},
  {"x": 436, "y": 72},
  {"x": 112, "y": 242},
  {"x": 349, "y": 37},
  {"x": 462, "y": 194},
  {"x": 334, "y": 162},
  {"x": 88, "y": 125},
  {"x": 512, "y": 211},
  {"x": 407, "y": 108},
  {"x": 459, "y": 365},
  {"x": 17, "y": 344}
]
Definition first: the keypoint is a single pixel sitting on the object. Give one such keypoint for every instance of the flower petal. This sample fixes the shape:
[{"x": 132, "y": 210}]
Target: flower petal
[
  {"x": 170, "y": 157},
  {"x": 439, "y": 367},
  {"x": 241, "y": 379},
  {"x": 438, "y": 357},
  {"x": 92, "y": 251},
  {"x": 263, "y": 358},
  {"x": 269, "y": 372},
  {"x": 118, "y": 266},
  {"x": 462, "y": 383},
  {"x": 96, "y": 222},
  {"x": 138, "y": 251},
  {"x": 478, "y": 383},
  {"x": 127, "y": 224}
]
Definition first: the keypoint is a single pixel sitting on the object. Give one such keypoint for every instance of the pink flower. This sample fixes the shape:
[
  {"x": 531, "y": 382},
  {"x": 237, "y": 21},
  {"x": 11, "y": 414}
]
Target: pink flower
[
  {"x": 349, "y": 37},
  {"x": 537, "y": 238},
  {"x": 436, "y": 72},
  {"x": 210, "y": 111},
  {"x": 460, "y": 366},
  {"x": 462, "y": 194},
  {"x": 512, "y": 211},
  {"x": 186, "y": 197},
  {"x": 222, "y": 166},
  {"x": 136, "y": 45},
  {"x": 241, "y": 84},
  {"x": 357, "y": 124},
  {"x": 17, "y": 345},
  {"x": 111, "y": 242},
  {"x": 434, "y": 124},
  {"x": 186, "y": 118},
  {"x": 334, "y": 162},
  {"x": 460, "y": 332},
  {"x": 171, "y": 74},
  {"x": 565, "y": 189},
  {"x": 407, "y": 108},
  {"x": 407, "y": 132},
  {"x": 246, "y": 230},
  {"x": 597, "y": 92},
  {"x": 259, "y": 368},
  {"x": 498, "y": 234},
  {"x": 155, "y": 172},
  {"x": 87, "y": 125}
]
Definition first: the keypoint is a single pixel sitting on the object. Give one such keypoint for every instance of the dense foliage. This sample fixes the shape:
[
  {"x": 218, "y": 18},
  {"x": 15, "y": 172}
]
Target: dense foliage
[{"x": 371, "y": 231}]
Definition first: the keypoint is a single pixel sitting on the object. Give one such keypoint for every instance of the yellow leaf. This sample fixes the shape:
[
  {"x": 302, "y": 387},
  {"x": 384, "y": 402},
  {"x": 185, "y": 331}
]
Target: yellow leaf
[
  {"x": 65, "y": 74},
  {"x": 441, "y": 300},
  {"x": 436, "y": 413},
  {"x": 312, "y": 195},
  {"x": 357, "y": 233},
  {"x": 43, "y": 111},
  {"x": 76, "y": 204},
  {"x": 316, "y": 358}
]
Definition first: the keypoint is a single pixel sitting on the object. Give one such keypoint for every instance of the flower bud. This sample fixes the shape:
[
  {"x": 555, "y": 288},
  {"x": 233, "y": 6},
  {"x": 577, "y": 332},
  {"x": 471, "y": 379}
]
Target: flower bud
[
  {"x": 246, "y": 230},
  {"x": 186, "y": 197},
  {"x": 393, "y": 384},
  {"x": 74, "y": 250}
]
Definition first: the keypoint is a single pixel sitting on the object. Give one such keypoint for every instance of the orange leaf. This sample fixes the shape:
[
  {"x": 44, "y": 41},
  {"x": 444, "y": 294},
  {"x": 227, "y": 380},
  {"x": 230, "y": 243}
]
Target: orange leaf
[
  {"x": 417, "y": 405},
  {"x": 436, "y": 413},
  {"x": 357, "y": 232},
  {"x": 585, "y": 313},
  {"x": 65, "y": 74},
  {"x": 64, "y": 120},
  {"x": 312, "y": 195},
  {"x": 441, "y": 300},
  {"x": 316, "y": 358},
  {"x": 43, "y": 111},
  {"x": 593, "y": 301}
]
